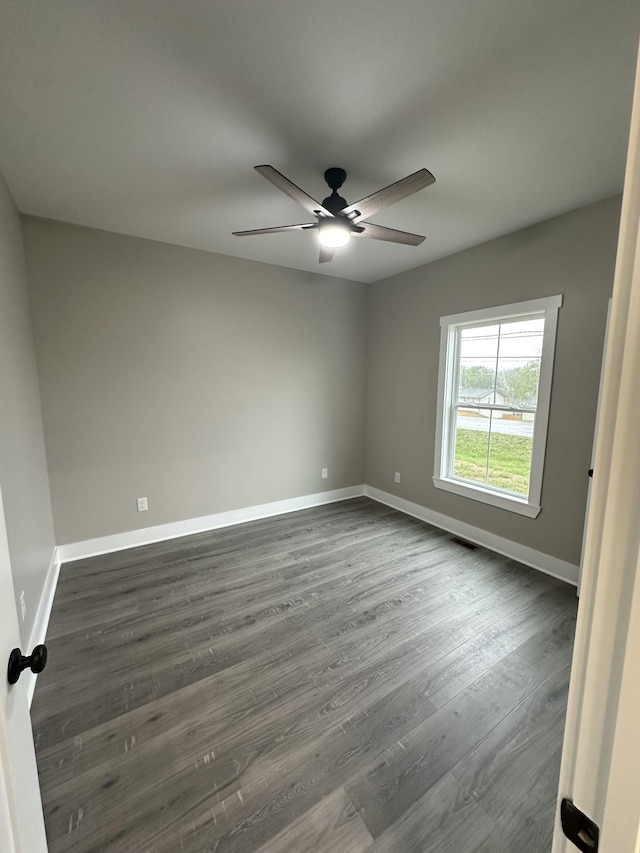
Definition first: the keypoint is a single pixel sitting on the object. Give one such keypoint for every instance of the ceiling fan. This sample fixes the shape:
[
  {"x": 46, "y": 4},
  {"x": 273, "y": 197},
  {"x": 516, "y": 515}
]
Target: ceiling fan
[{"x": 338, "y": 221}]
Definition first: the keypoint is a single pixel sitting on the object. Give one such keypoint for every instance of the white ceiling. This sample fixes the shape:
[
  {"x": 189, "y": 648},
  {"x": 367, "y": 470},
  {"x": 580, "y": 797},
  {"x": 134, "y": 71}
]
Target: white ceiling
[{"x": 146, "y": 116}]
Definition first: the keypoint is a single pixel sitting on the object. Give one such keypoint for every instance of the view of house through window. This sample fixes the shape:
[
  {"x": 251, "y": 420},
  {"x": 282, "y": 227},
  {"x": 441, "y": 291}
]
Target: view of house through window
[{"x": 498, "y": 372}]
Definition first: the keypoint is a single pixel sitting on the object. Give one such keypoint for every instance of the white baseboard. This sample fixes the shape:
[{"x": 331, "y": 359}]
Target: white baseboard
[
  {"x": 148, "y": 535},
  {"x": 536, "y": 559},
  {"x": 145, "y": 536},
  {"x": 41, "y": 623}
]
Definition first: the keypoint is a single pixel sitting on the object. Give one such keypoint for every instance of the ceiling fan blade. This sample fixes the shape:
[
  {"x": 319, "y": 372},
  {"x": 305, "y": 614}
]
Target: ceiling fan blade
[
  {"x": 391, "y": 235},
  {"x": 293, "y": 191},
  {"x": 326, "y": 254},
  {"x": 387, "y": 196},
  {"x": 277, "y": 230}
]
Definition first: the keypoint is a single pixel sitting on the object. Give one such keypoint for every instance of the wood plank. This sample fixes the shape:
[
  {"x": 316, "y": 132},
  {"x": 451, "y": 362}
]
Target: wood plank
[
  {"x": 444, "y": 819},
  {"x": 303, "y": 682},
  {"x": 332, "y": 825},
  {"x": 400, "y": 776},
  {"x": 514, "y": 770},
  {"x": 382, "y": 661}
]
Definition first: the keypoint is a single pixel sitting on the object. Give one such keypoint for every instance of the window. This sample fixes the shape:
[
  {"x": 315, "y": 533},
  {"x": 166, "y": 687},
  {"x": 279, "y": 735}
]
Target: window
[{"x": 494, "y": 389}]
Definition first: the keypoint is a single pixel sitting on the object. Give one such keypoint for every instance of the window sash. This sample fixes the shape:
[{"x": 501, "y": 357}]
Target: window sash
[
  {"x": 489, "y": 467},
  {"x": 502, "y": 323}
]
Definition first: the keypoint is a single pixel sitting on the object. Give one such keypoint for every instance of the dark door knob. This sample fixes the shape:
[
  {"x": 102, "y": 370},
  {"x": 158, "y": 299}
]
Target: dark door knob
[{"x": 36, "y": 662}]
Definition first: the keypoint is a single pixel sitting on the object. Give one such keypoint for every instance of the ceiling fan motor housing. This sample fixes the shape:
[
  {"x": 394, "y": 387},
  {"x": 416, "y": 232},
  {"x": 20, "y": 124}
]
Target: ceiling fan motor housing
[
  {"x": 334, "y": 203},
  {"x": 335, "y": 177}
]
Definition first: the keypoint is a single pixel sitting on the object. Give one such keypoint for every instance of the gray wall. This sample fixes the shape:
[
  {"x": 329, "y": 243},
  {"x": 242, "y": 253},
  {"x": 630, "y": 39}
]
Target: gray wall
[
  {"x": 204, "y": 382},
  {"x": 572, "y": 254},
  {"x": 23, "y": 470}
]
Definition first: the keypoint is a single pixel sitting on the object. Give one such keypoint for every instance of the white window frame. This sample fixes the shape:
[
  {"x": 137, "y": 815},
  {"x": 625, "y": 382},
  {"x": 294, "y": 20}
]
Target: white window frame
[{"x": 447, "y": 375}]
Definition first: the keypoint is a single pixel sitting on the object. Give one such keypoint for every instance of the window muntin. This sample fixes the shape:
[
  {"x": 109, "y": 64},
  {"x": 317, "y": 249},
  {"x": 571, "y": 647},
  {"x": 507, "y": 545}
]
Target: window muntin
[{"x": 494, "y": 389}]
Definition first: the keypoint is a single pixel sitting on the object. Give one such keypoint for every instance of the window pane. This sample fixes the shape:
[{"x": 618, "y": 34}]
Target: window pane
[
  {"x": 471, "y": 451},
  {"x": 494, "y": 448},
  {"x": 510, "y": 451},
  {"x": 478, "y": 358},
  {"x": 519, "y": 353}
]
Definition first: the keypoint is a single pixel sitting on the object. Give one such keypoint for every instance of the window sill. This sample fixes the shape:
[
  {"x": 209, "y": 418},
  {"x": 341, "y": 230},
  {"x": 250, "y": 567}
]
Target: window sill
[{"x": 466, "y": 490}]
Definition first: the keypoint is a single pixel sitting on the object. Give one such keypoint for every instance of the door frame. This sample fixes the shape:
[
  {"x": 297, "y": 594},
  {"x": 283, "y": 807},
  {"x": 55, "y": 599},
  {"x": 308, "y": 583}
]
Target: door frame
[
  {"x": 601, "y": 750},
  {"x": 593, "y": 448}
]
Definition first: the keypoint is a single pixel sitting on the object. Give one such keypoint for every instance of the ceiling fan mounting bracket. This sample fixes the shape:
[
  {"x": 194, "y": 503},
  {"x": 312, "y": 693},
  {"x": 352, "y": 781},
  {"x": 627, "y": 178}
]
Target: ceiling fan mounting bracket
[{"x": 335, "y": 177}]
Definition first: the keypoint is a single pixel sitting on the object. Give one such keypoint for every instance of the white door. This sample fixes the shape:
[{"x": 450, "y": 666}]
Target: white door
[
  {"x": 21, "y": 822},
  {"x": 601, "y": 756}
]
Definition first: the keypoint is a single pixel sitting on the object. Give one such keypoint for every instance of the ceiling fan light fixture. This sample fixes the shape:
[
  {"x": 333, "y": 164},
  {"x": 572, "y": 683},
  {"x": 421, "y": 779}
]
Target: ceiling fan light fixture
[{"x": 334, "y": 234}]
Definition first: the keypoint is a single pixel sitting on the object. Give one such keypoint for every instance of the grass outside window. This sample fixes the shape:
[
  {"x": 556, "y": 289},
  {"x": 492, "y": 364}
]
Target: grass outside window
[{"x": 509, "y": 459}]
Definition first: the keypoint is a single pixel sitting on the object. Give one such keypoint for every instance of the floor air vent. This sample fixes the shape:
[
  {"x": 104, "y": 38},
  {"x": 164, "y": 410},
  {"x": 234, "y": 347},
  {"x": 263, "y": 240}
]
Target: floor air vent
[{"x": 464, "y": 543}]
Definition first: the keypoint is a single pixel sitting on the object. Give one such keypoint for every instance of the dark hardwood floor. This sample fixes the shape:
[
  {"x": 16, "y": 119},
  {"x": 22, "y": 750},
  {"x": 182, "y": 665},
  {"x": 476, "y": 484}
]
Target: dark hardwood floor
[{"x": 345, "y": 679}]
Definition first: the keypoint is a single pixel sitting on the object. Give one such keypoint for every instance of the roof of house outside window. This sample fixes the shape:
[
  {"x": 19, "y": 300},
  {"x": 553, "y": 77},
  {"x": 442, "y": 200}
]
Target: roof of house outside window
[{"x": 484, "y": 395}]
